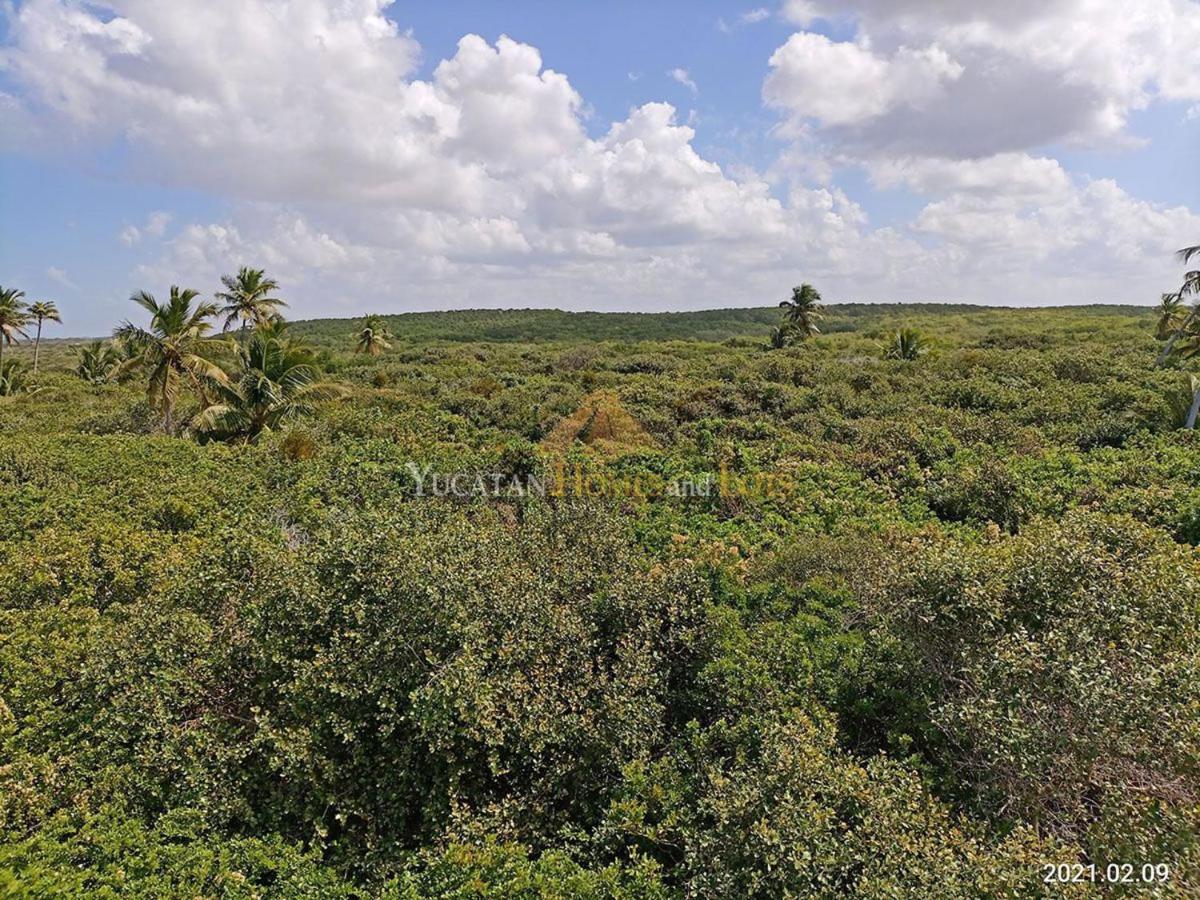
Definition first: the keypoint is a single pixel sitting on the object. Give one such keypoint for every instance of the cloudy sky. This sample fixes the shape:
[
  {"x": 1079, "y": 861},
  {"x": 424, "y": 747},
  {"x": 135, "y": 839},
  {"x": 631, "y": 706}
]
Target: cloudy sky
[{"x": 384, "y": 156}]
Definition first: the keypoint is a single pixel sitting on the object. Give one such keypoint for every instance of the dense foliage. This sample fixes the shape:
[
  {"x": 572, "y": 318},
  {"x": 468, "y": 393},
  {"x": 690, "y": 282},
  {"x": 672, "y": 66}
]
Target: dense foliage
[{"x": 957, "y": 639}]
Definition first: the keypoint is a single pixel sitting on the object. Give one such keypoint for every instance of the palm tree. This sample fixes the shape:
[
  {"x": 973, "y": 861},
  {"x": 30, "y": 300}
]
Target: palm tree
[
  {"x": 127, "y": 350},
  {"x": 247, "y": 299},
  {"x": 97, "y": 361},
  {"x": 12, "y": 378},
  {"x": 276, "y": 381},
  {"x": 781, "y": 336},
  {"x": 1186, "y": 323},
  {"x": 41, "y": 311},
  {"x": 13, "y": 317},
  {"x": 1191, "y": 279},
  {"x": 1190, "y": 349},
  {"x": 1182, "y": 400},
  {"x": 803, "y": 311},
  {"x": 907, "y": 343},
  {"x": 1171, "y": 313},
  {"x": 374, "y": 338},
  {"x": 174, "y": 348}
]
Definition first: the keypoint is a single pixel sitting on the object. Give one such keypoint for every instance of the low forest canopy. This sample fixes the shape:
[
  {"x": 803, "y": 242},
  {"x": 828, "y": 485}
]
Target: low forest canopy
[
  {"x": 551, "y": 325},
  {"x": 813, "y": 600}
]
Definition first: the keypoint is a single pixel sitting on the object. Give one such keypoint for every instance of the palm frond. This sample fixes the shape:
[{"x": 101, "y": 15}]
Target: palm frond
[
  {"x": 45, "y": 309},
  {"x": 131, "y": 334},
  {"x": 146, "y": 300},
  {"x": 321, "y": 392}
]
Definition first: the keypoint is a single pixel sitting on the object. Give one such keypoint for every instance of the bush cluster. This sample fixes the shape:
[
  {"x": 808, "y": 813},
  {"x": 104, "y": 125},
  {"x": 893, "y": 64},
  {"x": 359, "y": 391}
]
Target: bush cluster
[{"x": 962, "y": 646}]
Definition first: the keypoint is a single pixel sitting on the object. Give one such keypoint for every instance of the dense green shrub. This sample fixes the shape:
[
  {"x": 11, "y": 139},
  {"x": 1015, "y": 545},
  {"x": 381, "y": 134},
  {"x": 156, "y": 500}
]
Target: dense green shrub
[
  {"x": 769, "y": 807},
  {"x": 959, "y": 644},
  {"x": 111, "y": 855},
  {"x": 1062, "y": 669},
  {"x": 980, "y": 490}
]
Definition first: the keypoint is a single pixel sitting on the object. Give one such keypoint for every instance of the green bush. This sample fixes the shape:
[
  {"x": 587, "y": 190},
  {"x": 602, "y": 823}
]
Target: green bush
[
  {"x": 111, "y": 855},
  {"x": 961, "y": 643},
  {"x": 1062, "y": 669}
]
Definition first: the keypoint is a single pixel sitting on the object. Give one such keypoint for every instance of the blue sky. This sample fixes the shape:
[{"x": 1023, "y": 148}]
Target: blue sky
[{"x": 684, "y": 155}]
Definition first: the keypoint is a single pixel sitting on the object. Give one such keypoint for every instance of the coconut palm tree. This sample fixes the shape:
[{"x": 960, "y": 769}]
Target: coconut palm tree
[
  {"x": 1186, "y": 324},
  {"x": 14, "y": 316},
  {"x": 127, "y": 350},
  {"x": 174, "y": 348},
  {"x": 803, "y": 311},
  {"x": 247, "y": 298},
  {"x": 276, "y": 380},
  {"x": 1180, "y": 401},
  {"x": 1171, "y": 312},
  {"x": 374, "y": 337},
  {"x": 781, "y": 336},
  {"x": 907, "y": 343},
  {"x": 40, "y": 312},
  {"x": 1184, "y": 328},
  {"x": 97, "y": 362},
  {"x": 12, "y": 378},
  {"x": 1189, "y": 348},
  {"x": 1185, "y": 255}
]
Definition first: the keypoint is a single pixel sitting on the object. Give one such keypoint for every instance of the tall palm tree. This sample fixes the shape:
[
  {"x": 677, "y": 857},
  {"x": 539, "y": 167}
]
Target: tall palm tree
[
  {"x": 14, "y": 316},
  {"x": 1190, "y": 349},
  {"x": 276, "y": 380},
  {"x": 1182, "y": 400},
  {"x": 374, "y": 337},
  {"x": 907, "y": 343},
  {"x": 247, "y": 298},
  {"x": 42, "y": 311},
  {"x": 1171, "y": 312},
  {"x": 1186, "y": 323},
  {"x": 97, "y": 362},
  {"x": 174, "y": 348},
  {"x": 803, "y": 310},
  {"x": 1191, "y": 279}
]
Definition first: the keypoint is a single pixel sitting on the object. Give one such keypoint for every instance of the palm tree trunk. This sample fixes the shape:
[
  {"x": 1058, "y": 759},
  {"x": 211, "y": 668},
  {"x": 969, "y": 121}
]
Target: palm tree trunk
[
  {"x": 1175, "y": 336},
  {"x": 166, "y": 406},
  {"x": 1167, "y": 348},
  {"x": 37, "y": 345},
  {"x": 1194, "y": 411}
]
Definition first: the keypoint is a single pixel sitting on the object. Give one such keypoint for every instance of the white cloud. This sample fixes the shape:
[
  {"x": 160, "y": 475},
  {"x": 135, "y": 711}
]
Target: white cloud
[
  {"x": 1081, "y": 241},
  {"x": 279, "y": 100},
  {"x": 60, "y": 277},
  {"x": 1010, "y": 174},
  {"x": 800, "y": 12},
  {"x": 842, "y": 83},
  {"x": 156, "y": 224},
  {"x": 359, "y": 185},
  {"x": 1092, "y": 221},
  {"x": 682, "y": 76},
  {"x": 503, "y": 110},
  {"x": 155, "y": 227},
  {"x": 964, "y": 121},
  {"x": 1033, "y": 72},
  {"x": 749, "y": 17}
]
